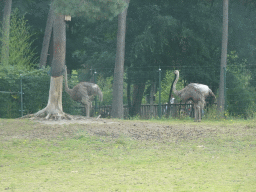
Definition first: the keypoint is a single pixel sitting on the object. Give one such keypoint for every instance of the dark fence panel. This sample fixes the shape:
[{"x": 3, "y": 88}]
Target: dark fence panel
[{"x": 147, "y": 111}]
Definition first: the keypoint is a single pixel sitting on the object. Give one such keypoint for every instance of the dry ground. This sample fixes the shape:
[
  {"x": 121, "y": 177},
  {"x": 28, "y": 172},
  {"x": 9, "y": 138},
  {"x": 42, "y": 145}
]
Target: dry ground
[{"x": 167, "y": 131}]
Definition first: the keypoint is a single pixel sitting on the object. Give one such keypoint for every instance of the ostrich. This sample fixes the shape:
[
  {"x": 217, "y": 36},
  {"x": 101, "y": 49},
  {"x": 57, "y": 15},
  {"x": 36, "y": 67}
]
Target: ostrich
[
  {"x": 83, "y": 93},
  {"x": 195, "y": 92}
]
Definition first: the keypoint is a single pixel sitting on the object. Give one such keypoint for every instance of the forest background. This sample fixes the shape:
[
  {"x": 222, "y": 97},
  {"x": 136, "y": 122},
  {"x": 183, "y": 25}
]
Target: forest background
[{"x": 160, "y": 34}]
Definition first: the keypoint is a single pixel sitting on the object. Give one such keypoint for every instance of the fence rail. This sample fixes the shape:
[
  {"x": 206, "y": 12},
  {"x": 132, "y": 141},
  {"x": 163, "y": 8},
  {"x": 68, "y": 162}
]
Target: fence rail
[{"x": 148, "y": 111}]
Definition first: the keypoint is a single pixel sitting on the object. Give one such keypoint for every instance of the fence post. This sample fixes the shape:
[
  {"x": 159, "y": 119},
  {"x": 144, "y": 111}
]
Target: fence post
[
  {"x": 21, "y": 96},
  {"x": 225, "y": 84},
  {"x": 159, "y": 103},
  {"x": 95, "y": 81}
]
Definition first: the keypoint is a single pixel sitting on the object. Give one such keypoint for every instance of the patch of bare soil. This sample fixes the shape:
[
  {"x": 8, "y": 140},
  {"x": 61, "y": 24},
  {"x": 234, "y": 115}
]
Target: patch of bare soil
[
  {"x": 112, "y": 128},
  {"x": 139, "y": 130}
]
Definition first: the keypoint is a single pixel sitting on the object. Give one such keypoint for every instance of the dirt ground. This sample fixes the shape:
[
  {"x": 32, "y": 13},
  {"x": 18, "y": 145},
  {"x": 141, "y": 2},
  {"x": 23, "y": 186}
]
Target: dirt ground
[{"x": 112, "y": 128}]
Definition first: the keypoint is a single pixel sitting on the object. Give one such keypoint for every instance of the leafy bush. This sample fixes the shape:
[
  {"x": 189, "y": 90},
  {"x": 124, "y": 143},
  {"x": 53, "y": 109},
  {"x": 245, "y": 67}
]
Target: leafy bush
[
  {"x": 240, "y": 94},
  {"x": 106, "y": 87},
  {"x": 22, "y": 57}
]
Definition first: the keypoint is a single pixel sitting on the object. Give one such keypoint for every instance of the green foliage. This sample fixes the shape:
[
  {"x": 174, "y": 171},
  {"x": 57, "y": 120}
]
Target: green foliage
[
  {"x": 241, "y": 96},
  {"x": 21, "y": 61},
  {"x": 166, "y": 84},
  {"x": 21, "y": 58},
  {"x": 106, "y": 87},
  {"x": 90, "y": 9},
  {"x": 212, "y": 113},
  {"x": 35, "y": 86}
]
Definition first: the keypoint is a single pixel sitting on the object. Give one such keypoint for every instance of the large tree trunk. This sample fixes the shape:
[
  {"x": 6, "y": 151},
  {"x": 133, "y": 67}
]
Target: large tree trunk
[
  {"x": 138, "y": 90},
  {"x": 59, "y": 44},
  {"x": 6, "y": 31},
  {"x": 54, "y": 107},
  {"x": 221, "y": 98},
  {"x": 117, "y": 103},
  {"x": 51, "y": 48},
  {"x": 47, "y": 37}
]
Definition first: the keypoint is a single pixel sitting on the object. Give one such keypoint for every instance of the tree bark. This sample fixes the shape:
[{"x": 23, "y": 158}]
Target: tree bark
[
  {"x": 54, "y": 107},
  {"x": 50, "y": 51},
  {"x": 117, "y": 103},
  {"x": 47, "y": 37},
  {"x": 138, "y": 90},
  {"x": 221, "y": 98},
  {"x": 59, "y": 44},
  {"x": 6, "y": 31}
]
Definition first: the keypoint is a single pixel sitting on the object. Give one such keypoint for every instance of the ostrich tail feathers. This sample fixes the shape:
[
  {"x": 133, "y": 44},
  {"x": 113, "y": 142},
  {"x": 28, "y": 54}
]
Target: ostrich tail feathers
[{"x": 212, "y": 94}]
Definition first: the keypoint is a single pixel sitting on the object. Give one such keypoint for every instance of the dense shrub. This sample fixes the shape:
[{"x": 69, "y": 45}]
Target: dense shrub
[{"x": 241, "y": 96}]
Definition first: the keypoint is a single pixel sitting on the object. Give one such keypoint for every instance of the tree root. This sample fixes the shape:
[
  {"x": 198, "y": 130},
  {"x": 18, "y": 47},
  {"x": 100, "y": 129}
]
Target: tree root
[{"x": 49, "y": 115}]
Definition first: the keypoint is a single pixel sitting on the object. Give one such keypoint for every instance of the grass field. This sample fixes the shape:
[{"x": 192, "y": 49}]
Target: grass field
[{"x": 128, "y": 156}]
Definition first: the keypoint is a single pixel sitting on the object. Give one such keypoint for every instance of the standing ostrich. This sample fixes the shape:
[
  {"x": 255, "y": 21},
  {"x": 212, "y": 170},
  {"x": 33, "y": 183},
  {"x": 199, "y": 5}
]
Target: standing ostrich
[
  {"x": 195, "y": 92},
  {"x": 83, "y": 93}
]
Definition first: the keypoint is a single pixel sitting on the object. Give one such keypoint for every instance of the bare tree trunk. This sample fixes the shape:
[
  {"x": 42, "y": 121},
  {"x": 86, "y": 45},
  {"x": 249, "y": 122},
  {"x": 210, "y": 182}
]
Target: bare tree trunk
[
  {"x": 221, "y": 99},
  {"x": 6, "y": 31},
  {"x": 59, "y": 44},
  {"x": 49, "y": 61},
  {"x": 117, "y": 103},
  {"x": 138, "y": 91},
  {"x": 47, "y": 37},
  {"x": 54, "y": 106}
]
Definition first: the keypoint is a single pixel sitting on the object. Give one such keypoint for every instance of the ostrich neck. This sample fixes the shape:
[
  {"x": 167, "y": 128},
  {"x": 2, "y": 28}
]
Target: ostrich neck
[
  {"x": 66, "y": 83},
  {"x": 174, "y": 85}
]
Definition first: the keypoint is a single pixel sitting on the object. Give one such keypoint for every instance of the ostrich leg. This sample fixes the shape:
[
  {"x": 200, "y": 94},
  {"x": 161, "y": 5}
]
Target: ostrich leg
[
  {"x": 197, "y": 112},
  {"x": 201, "y": 104},
  {"x": 87, "y": 103}
]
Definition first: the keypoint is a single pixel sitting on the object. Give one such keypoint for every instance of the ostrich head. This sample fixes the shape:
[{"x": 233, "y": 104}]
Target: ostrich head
[{"x": 176, "y": 72}]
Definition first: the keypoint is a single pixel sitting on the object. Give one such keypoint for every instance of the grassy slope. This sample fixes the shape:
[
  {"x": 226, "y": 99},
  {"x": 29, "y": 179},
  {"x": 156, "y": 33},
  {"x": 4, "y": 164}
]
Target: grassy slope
[{"x": 83, "y": 163}]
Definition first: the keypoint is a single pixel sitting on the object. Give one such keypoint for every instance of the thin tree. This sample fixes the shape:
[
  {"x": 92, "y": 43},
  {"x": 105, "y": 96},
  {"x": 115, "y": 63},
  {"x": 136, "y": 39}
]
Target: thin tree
[
  {"x": 6, "y": 31},
  {"x": 47, "y": 37},
  {"x": 221, "y": 98},
  {"x": 117, "y": 103}
]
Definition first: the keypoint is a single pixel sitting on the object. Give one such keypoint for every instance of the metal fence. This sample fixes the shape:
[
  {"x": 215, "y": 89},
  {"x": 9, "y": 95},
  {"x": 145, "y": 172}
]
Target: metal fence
[
  {"x": 7, "y": 103},
  {"x": 152, "y": 111}
]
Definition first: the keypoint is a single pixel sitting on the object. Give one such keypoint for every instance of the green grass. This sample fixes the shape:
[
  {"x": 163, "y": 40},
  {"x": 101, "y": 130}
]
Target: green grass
[{"x": 80, "y": 162}]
